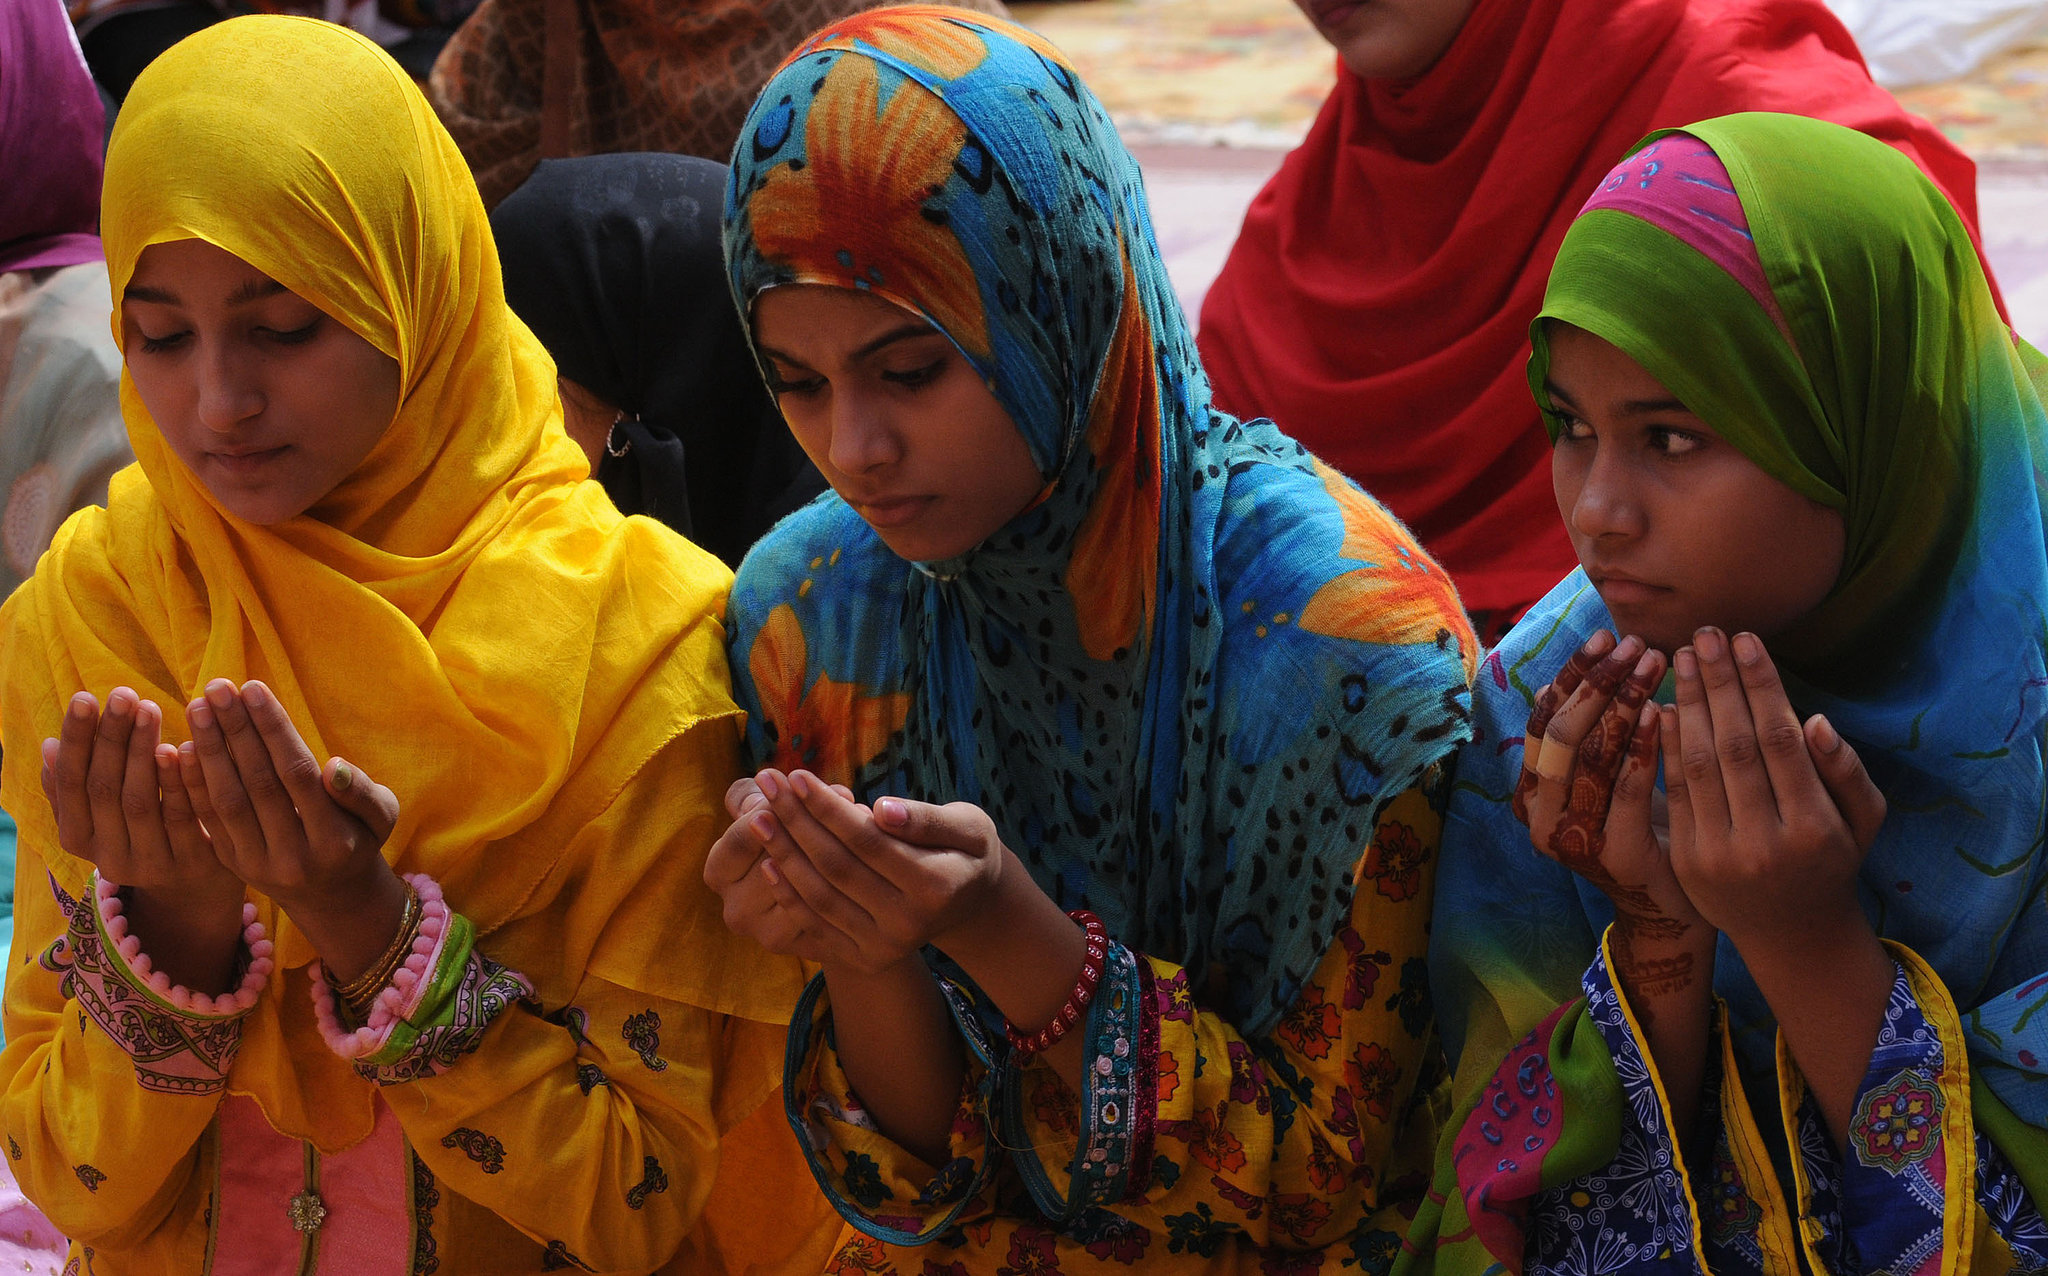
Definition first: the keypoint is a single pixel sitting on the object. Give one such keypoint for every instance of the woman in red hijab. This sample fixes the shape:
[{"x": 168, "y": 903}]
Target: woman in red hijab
[{"x": 1377, "y": 301}]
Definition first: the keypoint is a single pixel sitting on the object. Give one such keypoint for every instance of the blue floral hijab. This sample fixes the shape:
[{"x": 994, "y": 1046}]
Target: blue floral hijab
[{"x": 1183, "y": 682}]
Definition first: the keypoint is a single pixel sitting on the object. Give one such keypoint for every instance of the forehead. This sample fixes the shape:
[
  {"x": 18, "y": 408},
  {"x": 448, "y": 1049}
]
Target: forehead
[
  {"x": 821, "y": 318},
  {"x": 191, "y": 270},
  {"x": 1593, "y": 372}
]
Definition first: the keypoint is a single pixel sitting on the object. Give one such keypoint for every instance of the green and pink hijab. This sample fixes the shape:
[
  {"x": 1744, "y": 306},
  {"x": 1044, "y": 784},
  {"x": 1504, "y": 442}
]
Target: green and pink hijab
[{"x": 1813, "y": 298}]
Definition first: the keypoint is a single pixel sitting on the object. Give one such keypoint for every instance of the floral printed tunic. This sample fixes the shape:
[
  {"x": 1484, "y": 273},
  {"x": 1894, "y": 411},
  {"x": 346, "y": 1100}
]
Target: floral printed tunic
[{"x": 1195, "y": 1147}]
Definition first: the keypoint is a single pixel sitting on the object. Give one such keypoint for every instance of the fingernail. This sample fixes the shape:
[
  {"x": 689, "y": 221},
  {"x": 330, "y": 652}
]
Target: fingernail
[
  {"x": 200, "y": 714},
  {"x": 764, "y": 826},
  {"x": 1598, "y": 643},
  {"x": 771, "y": 785},
  {"x": 892, "y": 811},
  {"x": 768, "y": 871},
  {"x": 343, "y": 776},
  {"x": 1747, "y": 649},
  {"x": 221, "y": 692},
  {"x": 1646, "y": 664},
  {"x": 1825, "y": 735},
  {"x": 1709, "y": 644},
  {"x": 1687, "y": 663},
  {"x": 800, "y": 781},
  {"x": 120, "y": 703},
  {"x": 81, "y": 706},
  {"x": 1628, "y": 649},
  {"x": 256, "y": 694}
]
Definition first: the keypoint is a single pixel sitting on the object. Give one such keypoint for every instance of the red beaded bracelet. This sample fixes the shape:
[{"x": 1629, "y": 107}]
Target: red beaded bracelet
[{"x": 1077, "y": 1001}]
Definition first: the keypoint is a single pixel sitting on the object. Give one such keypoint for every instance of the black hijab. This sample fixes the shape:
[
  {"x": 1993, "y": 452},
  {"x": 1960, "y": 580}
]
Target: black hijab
[{"x": 614, "y": 262}]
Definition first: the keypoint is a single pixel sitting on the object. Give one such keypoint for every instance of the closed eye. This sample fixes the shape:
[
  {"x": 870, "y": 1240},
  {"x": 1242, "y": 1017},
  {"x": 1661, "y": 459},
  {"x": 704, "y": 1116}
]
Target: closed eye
[
  {"x": 778, "y": 385},
  {"x": 292, "y": 337},
  {"x": 915, "y": 377},
  {"x": 163, "y": 344}
]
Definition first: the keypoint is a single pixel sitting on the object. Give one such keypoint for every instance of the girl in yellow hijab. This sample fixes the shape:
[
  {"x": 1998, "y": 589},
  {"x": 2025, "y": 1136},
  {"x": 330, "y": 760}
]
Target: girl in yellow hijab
[{"x": 266, "y": 1016}]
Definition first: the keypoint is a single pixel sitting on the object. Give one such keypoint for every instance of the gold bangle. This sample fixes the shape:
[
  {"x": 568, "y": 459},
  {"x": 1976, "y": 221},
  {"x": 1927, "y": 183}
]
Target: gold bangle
[{"x": 366, "y": 985}]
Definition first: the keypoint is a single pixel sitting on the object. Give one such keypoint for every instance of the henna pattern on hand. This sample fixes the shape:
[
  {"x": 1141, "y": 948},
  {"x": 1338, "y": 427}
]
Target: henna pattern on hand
[
  {"x": 1579, "y": 838},
  {"x": 1548, "y": 702},
  {"x": 1645, "y": 979}
]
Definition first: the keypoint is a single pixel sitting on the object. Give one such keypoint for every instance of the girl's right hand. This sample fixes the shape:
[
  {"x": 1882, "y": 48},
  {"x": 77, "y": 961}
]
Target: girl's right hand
[
  {"x": 102, "y": 778},
  {"x": 736, "y": 869},
  {"x": 1588, "y": 783}
]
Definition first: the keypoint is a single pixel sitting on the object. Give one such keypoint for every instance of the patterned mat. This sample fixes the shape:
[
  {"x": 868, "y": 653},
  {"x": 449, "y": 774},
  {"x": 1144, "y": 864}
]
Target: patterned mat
[{"x": 1252, "y": 73}]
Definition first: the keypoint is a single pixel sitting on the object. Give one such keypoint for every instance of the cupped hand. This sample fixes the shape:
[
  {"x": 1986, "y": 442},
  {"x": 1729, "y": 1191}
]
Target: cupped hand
[
  {"x": 1770, "y": 818},
  {"x": 308, "y": 836},
  {"x": 103, "y": 776},
  {"x": 1588, "y": 785},
  {"x": 868, "y": 887}
]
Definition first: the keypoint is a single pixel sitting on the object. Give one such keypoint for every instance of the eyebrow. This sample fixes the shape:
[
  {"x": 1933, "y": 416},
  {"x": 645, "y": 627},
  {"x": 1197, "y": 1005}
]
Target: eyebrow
[
  {"x": 891, "y": 337},
  {"x": 253, "y": 290},
  {"x": 1629, "y": 407}
]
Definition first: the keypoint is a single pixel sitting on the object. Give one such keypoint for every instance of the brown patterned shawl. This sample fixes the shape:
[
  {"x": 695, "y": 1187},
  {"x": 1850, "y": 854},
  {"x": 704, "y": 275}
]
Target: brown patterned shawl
[{"x": 645, "y": 75}]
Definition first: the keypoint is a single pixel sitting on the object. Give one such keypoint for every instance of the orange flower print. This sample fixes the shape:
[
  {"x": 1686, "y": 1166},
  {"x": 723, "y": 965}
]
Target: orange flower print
[
  {"x": 947, "y": 50},
  {"x": 1298, "y": 1216},
  {"x": 799, "y": 215},
  {"x": 1212, "y": 1144},
  {"x": 1399, "y": 597},
  {"x": 861, "y": 1256},
  {"x": 828, "y": 728},
  {"x": 1310, "y": 1024},
  {"x": 1372, "y": 1075},
  {"x": 1114, "y": 572},
  {"x": 1394, "y": 864},
  {"x": 1326, "y": 1173},
  {"x": 1169, "y": 1076}
]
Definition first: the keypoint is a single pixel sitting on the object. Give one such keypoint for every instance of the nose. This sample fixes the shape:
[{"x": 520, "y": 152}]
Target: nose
[
  {"x": 1608, "y": 502},
  {"x": 864, "y": 434},
  {"x": 230, "y": 390}
]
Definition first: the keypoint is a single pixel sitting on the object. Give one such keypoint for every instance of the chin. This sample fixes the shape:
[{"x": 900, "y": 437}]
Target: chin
[{"x": 1661, "y": 632}]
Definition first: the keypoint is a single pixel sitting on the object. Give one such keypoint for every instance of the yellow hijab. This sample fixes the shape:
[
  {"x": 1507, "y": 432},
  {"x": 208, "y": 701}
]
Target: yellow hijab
[{"x": 466, "y": 616}]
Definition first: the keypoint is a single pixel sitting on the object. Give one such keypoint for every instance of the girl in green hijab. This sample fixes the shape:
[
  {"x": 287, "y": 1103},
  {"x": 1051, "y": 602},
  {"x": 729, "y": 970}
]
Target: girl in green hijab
[{"x": 1745, "y": 981}]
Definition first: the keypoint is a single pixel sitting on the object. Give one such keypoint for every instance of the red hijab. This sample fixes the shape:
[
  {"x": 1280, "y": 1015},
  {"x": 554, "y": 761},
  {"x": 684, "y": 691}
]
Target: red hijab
[{"x": 1377, "y": 302}]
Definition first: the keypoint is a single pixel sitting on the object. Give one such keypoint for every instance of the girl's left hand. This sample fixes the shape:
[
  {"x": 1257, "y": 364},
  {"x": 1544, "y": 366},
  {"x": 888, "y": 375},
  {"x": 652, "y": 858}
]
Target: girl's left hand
[
  {"x": 857, "y": 886},
  {"x": 309, "y": 837},
  {"x": 1770, "y": 819}
]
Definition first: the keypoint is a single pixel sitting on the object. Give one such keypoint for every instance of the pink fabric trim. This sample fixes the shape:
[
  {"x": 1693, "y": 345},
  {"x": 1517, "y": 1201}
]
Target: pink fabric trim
[
  {"x": 365, "y": 1189},
  {"x": 260, "y": 1171},
  {"x": 195, "y": 1004},
  {"x": 367, "y": 1192},
  {"x": 180, "y": 1042},
  {"x": 1679, "y": 185},
  {"x": 402, "y": 996}
]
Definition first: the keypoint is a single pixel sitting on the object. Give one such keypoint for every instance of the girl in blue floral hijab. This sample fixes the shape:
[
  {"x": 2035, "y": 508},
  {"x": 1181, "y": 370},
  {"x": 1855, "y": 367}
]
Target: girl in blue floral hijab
[{"x": 1096, "y": 727}]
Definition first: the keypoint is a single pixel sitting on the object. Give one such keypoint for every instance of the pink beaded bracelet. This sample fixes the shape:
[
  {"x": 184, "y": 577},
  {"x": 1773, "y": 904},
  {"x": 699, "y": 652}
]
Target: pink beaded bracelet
[
  {"x": 1077, "y": 1001},
  {"x": 400, "y": 995},
  {"x": 107, "y": 896}
]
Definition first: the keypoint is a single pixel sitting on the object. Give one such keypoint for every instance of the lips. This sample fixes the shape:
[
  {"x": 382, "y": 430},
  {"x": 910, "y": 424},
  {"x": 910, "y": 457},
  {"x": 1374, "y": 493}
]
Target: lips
[
  {"x": 1333, "y": 13},
  {"x": 247, "y": 461},
  {"x": 1615, "y": 588},
  {"x": 893, "y": 511}
]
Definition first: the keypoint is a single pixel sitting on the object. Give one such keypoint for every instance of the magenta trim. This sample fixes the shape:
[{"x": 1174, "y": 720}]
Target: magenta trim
[{"x": 1680, "y": 186}]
